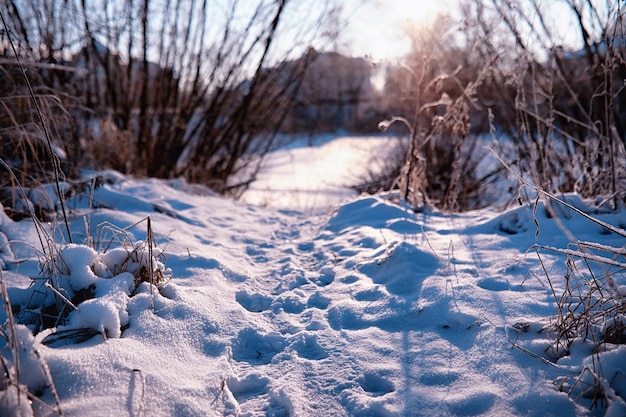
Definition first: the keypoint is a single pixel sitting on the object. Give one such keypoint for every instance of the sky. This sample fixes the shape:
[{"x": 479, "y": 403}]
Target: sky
[{"x": 377, "y": 28}]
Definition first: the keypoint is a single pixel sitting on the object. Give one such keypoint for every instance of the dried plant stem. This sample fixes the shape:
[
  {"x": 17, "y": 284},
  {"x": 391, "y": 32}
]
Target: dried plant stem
[
  {"x": 53, "y": 157},
  {"x": 12, "y": 334},
  {"x": 550, "y": 196},
  {"x": 41, "y": 232},
  {"x": 583, "y": 255},
  {"x": 533, "y": 354},
  {"x": 53, "y": 389}
]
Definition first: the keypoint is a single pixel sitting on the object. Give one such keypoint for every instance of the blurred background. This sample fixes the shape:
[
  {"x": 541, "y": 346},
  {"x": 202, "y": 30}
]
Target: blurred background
[{"x": 207, "y": 89}]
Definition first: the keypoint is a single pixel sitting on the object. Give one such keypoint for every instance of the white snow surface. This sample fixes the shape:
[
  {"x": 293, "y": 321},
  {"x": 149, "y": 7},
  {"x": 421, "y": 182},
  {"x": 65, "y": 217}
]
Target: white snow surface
[
  {"x": 363, "y": 309},
  {"x": 311, "y": 175}
]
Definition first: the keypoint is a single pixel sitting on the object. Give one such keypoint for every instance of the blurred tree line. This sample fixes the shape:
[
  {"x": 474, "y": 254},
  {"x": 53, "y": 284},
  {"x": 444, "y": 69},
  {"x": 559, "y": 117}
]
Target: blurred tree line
[
  {"x": 163, "y": 88},
  {"x": 202, "y": 89}
]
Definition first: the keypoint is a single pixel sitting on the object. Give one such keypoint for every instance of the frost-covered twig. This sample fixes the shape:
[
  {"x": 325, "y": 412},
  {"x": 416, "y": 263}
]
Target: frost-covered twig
[
  {"x": 583, "y": 255},
  {"x": 545, "y": 193}
]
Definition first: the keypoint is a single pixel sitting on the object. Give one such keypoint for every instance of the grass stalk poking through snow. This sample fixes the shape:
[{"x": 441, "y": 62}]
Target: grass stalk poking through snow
[
  {"x": 591, "y": 312},
  {"x": 12, "y": 393},
  {"x": 42, "y": 122},
  {"x": 10, "y": 334}
]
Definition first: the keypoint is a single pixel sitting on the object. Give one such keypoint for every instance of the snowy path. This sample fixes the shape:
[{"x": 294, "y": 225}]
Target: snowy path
[
  {"x": 371, "y": 310},
  {"x": 313, "y": 178}
]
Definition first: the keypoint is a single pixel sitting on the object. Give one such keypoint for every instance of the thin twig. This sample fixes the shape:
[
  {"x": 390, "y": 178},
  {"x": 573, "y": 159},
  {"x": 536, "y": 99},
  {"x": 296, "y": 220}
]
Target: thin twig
[
  {"x": 53, "y": 156},
  {"x": 38, "y": 227},
  {"x": 533, "y": 354},
  {"x": 541, "y": 191},
  {"x": 53, "y": 389},
  {"x": 583, "y": 255},
  {"x": 13, "y": 341}
]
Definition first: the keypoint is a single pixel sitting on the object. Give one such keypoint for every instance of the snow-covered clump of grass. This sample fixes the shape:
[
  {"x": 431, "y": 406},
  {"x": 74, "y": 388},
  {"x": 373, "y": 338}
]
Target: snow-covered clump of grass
[{"x": 79, "y": 293}]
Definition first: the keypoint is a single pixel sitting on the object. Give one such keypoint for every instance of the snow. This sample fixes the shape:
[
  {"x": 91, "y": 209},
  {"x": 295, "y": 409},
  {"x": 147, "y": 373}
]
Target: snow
[
  {"x": 313, "y": 174},
  {"x": 302, "y": 300}
]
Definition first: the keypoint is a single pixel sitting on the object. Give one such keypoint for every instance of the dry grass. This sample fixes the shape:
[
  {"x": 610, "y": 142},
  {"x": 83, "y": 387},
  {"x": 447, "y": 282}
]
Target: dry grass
[
  {"x": 591, "y": 305},
  {"x": 15, "y": 398},
  {"x": 144, "y": 259},
  {"x": 590, "y": 299},
  {"x": 51, "y": 297},
  {"x": 591, "y": 315}
]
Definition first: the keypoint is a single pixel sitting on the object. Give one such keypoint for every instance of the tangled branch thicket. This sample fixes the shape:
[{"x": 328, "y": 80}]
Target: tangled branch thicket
[
  {"x": 567, "y": 102},
  {"x": 160, "y": 89},
  {"x": 503, "y": 75}
]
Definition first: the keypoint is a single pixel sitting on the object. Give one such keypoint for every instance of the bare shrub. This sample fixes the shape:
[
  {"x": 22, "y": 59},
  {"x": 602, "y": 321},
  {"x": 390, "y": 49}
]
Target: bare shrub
[
  {"x": 435, "y": 97},
  {"x": 23, "y": 141},
  {"x": 589, "y": 298},
  {"x": 562, "y": 105},
  {"x": 590, "y": 311},
  {"x": 173, "y": 88}
]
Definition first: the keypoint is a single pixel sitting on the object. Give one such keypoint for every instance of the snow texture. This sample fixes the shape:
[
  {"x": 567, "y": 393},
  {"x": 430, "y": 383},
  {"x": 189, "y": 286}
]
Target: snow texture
[{"x": 367, "y": 309}]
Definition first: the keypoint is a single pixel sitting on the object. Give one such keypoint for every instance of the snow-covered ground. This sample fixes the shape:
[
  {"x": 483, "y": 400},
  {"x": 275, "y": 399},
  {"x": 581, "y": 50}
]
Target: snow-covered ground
[
  {"x": 313, "y": 175},
  {"x": 365, "y": 309}
]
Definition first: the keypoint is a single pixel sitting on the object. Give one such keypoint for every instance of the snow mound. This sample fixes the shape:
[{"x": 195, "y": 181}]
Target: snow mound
[{"x": 371, "y": 310}]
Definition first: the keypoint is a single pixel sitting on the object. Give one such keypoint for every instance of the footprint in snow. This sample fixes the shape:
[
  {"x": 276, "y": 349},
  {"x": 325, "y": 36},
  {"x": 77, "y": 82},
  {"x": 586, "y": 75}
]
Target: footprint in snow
[
  {"x": 255, "y": 348},
  {"x": 350, "y": 279},
  {"x": 493, "y": 284},
  {"x": 307, "y": 347},
  {"x": 254, "y": 303},
  {"x": 257, "y": 303},
  {"x": 439, "y": 377},
  {"x": 252, "y": 385},
  {"x": 289, "y": 304},
  {"x": 318, "y": 301},
  {"x": 375, "y": 385},
  {"x": 371, "y": 294},
  {"x": 393, "y": 315},
  {"x": 326, "y": 277},
  {"x": 401, "y": 269},
  {"x": 306, "y": 246},
  {"x": 257, "y": 254},
  {"x": 474, "y": 404}
]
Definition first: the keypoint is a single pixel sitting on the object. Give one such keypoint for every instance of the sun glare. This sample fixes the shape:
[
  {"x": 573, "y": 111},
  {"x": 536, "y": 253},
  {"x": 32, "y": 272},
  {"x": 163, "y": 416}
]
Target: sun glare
[{"x": 379, "y": 28}]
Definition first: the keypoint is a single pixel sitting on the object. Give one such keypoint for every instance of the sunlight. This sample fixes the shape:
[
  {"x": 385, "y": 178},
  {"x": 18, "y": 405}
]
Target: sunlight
[{"x": 378, "y": 29}]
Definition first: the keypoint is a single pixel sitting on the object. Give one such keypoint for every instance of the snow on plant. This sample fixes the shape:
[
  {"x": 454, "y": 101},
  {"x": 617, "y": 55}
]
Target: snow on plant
[
  {"x": 591, "y": 302},
  {"x": 82, "y": 292},
  {"x": 143, "y": 259},
  {"x": 591, "y": 315},
  {"x": 79, "y": 292},
  {"x": 591, "y": 318},
  {"x": 24, "y": 373}
]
